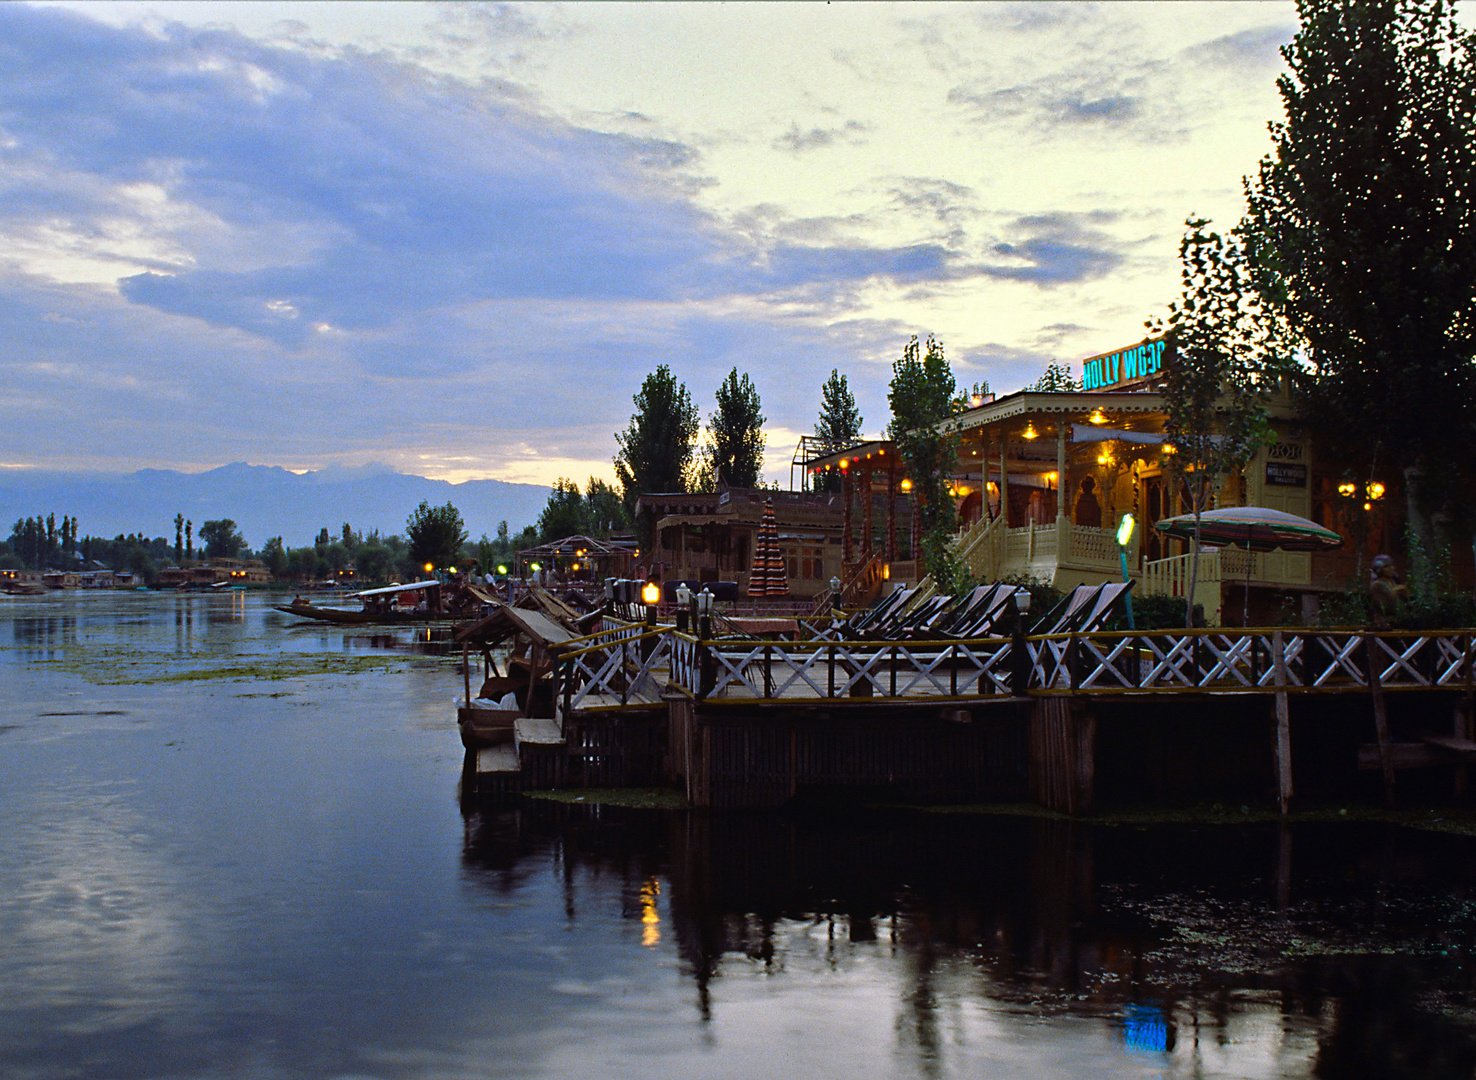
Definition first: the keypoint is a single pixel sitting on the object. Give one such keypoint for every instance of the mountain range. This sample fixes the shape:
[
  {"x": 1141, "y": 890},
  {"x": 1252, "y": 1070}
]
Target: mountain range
[{"x": 263, "y": 500}]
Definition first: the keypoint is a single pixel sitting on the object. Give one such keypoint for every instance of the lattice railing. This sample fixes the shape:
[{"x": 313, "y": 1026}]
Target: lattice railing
[
  {"x": 1246, "y": 660},
  {"x": 633, "y": 665},
  {"x": 630, "y": 664},
  {"x": 825, "y": 670}
]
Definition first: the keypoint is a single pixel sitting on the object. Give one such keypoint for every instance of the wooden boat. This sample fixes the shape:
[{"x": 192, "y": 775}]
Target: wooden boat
[{"x": 419, "y": 601}]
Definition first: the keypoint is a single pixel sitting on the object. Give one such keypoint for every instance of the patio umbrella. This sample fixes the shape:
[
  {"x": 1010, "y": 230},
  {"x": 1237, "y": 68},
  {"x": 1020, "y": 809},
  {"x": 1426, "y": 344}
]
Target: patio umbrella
[
  {"x": 1255, "y": 528},
  {"x": 767, "y": 577}
]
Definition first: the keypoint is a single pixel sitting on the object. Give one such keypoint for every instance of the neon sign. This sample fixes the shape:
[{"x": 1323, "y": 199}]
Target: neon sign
[{"x": 1114, "y": 369}]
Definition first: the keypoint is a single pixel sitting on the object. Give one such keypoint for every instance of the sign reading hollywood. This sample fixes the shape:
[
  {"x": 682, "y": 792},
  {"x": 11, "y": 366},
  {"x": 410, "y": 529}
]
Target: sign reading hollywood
[{"x": 1113, "y": 370}]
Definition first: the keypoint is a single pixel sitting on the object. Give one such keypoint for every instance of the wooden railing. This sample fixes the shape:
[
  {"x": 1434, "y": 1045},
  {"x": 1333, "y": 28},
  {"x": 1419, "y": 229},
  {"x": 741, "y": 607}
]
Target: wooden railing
[{"x": 633, "y": 665}]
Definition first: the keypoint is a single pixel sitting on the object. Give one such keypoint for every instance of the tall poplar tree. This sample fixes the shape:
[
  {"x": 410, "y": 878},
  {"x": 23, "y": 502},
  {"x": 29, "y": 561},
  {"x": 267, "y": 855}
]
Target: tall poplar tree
[
  {"x": 839, "y": 424},
  {"x": 735, "y": 454},
  {"x": 656, "y": 450},
  {"x": 1364, "y": 227},
  {"x": 921, "y": 396},
  {"x": 1227, "y": 350}
]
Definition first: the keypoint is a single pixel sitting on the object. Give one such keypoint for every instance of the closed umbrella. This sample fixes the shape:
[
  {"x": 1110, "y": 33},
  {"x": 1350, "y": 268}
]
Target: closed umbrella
[
  {"x": 767, "y": 577},
  {"x": 1255, "y": 528}
]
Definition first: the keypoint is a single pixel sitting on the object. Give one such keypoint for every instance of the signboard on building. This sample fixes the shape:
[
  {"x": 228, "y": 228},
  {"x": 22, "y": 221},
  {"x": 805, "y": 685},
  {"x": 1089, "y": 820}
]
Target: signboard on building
[
  {"x": 1284, "y": 464},
  {"x": 1124, "y": 368}
]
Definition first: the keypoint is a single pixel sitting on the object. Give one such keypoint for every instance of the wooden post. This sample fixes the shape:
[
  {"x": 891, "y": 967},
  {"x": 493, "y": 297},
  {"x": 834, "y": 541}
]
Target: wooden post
[
  {"x": 848, "y": 549},
  {"x": 1381, "y": 719},
  {"x": 1004, "y": 479},
  {"x": 466, "y": 670},
  {"x": 1465, "y": 717},
  {"x": 1283, "y": 721},
  {"x": 892, "y": 509},
  {"x": 866, "y": 543},
  {"x": 1060, "y": 472}
]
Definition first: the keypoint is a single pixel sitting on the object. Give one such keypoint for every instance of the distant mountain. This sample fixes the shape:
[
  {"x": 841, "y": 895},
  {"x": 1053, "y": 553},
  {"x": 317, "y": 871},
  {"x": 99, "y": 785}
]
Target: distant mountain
[{"x": 263, "y": 500}]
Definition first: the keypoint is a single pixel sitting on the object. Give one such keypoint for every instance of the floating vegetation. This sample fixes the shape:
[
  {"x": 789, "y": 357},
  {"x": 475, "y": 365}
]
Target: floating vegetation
[
  {"x": 122, "y": 666},
  {"x": 639, "y": 798}
]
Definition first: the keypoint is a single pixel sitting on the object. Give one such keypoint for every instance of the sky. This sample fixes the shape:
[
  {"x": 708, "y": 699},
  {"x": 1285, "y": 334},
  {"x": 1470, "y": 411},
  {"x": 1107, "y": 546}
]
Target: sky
[{"x": 454, "y": 238}]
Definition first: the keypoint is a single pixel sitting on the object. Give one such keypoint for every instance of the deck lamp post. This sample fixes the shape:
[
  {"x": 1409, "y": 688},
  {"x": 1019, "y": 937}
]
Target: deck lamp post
[
  {"x": 1124, "y": 536},
  {"x": 684, "y": 601},
  {"x": 1019, "y": 655},
  {"x": 706, "y": 669}
]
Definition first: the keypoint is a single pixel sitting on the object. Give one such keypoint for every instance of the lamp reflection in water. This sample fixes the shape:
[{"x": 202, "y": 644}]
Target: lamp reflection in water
[{"x": 650, "y": 912}]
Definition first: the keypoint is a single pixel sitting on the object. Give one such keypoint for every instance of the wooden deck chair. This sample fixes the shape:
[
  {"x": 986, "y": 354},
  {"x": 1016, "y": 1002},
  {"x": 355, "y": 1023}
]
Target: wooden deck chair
[
  {"x": 1085, "y": 611},
  {"x": 990, "y": 615},
  {"x": 860, "y": 625},
  {"x": 917, "y": 621}
]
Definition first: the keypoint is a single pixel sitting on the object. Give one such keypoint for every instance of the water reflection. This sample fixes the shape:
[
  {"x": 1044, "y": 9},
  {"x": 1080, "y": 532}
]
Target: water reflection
[
  {"x": 43, "y": 637},
  {"x": 1208, "y": 948}
]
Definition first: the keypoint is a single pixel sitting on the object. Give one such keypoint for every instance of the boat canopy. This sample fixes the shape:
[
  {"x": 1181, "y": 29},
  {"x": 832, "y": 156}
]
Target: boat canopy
[{"x": 391, "y": 590}]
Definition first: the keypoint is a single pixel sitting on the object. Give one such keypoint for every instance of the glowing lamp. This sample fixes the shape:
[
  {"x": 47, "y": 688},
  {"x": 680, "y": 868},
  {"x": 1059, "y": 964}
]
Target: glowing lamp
[
  {"x": 1125, "y": 530},
  {"x": 651, "y": 593},
  {"x": 1030, "y": 432},
  {"x": 906, "y": 485},
  {"x": 1375, "y": 490},
  {"x": 501, "y": 570},
  {"x": 1097, "y": 417},
  {"x": 1347, "y": 488},
  {"x": 844, "y": 464},
  {"x": 975, "y": 400},
  {"x": 429, "y": 567}
]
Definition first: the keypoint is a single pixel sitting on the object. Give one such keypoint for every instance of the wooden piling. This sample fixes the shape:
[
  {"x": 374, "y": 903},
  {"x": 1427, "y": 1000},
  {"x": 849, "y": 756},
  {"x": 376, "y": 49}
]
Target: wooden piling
[
  {"x": 1381, "y": 720},
  {"x": 1283, "y": 722},
  {"x": 1063, "y": 751}
]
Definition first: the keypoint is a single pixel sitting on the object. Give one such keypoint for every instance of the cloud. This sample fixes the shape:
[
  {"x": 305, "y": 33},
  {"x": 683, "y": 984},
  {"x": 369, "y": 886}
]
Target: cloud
[
  {"x": 1056, "y": 249},
  {"x": 797, "y": 142},
  {"x": 1258, "y": 46}
]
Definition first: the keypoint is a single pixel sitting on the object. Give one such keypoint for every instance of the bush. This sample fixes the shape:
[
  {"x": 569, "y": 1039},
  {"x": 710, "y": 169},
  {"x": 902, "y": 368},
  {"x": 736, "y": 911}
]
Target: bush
[{"x": 1159, "y": 613}]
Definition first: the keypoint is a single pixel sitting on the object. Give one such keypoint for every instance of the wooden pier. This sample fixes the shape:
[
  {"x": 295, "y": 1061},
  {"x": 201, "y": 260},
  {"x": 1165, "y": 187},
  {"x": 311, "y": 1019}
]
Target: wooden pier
[{"x": 1003, "y": 719}]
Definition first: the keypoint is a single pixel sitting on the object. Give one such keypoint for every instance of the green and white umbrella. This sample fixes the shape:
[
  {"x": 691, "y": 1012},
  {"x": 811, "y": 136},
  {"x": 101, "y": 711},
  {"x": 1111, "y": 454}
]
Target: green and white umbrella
[
  {"x": 1256, "y": 528},
  {"x": 1253, "y": 527}
]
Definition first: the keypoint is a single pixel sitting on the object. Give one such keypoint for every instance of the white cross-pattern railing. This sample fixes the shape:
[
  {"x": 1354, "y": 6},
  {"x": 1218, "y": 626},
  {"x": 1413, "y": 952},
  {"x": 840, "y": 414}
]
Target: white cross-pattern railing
[
  {"x": 622, "y": 666},
  {"x": 1246, "y": 661},
  {"x": 876, "y": 670},
  {"x": 628, "y": 665}
]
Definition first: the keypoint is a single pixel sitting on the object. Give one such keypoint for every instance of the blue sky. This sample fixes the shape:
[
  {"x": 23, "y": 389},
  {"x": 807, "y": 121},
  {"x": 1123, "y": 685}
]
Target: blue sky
[{"x": 454, "y": 238}]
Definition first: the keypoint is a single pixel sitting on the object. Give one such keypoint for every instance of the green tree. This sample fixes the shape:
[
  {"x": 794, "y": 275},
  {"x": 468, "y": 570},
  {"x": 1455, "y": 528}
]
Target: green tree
[
  {"x": 189, "y": 539},
  {"x": 1056, "y": 378},
  {"x": 374, "y": 561},
  {"x": 603, "y": 509},
  {"x": 656, "y": 450},
  {"x": 839, "y": 423},
  {"x": 1363, "y": 224},
  {"x": 221, "y": 539},
  {"x": 178, "y": 538},
  {"x": 1226, "y": 349},
  {"x": 921, "y": 397},
  {"x": 563, "y": 515},
  {"x": 436, "y": 534},
  {"x": 274, "y": 555},
  {"x": 735, "y": 452}
]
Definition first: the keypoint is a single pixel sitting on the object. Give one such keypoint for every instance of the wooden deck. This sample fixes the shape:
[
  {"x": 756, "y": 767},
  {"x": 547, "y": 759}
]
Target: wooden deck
[{"x": 755, "y": 722}]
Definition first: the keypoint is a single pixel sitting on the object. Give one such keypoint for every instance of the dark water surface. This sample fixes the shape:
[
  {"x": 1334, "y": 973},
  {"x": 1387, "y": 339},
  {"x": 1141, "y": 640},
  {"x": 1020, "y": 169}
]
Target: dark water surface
[{"x": 231, "y": 846}]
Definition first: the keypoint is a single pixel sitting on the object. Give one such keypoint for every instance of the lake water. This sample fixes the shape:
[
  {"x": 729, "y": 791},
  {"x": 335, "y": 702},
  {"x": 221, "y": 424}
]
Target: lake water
[{"x": 233, "y": 848}]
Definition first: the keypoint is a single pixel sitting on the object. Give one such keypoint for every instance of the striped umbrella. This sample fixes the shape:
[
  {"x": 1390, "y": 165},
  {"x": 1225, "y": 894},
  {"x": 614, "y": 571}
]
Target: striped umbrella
[
  {"x": 1253, "y": 527},
  {"x": 767, "y": 577},
  {"x": 1256, "y": 528}
]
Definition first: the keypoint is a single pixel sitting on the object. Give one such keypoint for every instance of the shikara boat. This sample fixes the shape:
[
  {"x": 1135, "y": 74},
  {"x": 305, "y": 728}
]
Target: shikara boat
[{"x": 419, "y": 601}]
